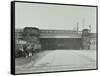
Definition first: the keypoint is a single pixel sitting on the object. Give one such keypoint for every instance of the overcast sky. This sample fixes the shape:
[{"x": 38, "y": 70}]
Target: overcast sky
[{"x": 62, "y": 17}]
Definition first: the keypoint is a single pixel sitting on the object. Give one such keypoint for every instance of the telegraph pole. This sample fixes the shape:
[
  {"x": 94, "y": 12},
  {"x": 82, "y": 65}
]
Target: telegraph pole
[
  {"x": 83, "y": 21},
  {"x": 77, "y": 27},
  {"x": 89, "y": 28}
]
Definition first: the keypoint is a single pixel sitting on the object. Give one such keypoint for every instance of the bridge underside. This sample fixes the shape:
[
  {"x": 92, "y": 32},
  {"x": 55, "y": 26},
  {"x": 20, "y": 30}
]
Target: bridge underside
[{"x": 61, "y": 43}]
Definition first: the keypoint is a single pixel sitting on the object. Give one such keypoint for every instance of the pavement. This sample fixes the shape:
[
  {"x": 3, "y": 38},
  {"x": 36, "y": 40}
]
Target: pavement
[{"x": 58, "y": 60}]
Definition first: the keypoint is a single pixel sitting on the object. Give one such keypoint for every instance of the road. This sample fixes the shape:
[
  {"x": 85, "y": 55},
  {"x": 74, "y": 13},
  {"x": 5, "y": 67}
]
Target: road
[{"x": 59, "y": 60}]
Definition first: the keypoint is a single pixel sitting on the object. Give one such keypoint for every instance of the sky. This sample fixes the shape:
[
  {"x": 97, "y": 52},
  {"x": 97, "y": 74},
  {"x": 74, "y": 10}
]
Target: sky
[{"x": 54, "y": 17}]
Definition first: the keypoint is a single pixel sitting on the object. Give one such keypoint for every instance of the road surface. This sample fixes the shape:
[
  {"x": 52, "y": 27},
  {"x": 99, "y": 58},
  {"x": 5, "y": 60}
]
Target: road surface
[{"x": 58, "y": 60}]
